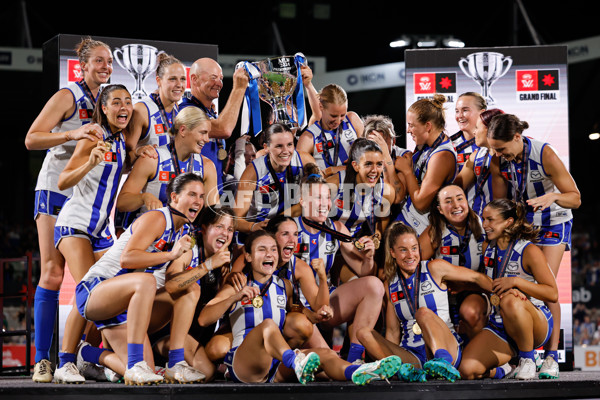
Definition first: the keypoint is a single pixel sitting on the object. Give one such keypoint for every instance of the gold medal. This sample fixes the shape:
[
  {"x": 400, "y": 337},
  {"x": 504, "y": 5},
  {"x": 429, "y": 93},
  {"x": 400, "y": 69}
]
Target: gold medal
[
  {"x": 495, "y": 300},
  {"x": 297, "y": 308},
  {"x": 192, "y": 241},
  {"x": 257, "y": 302},
  {"x": 359, "y": 245},
  {"x": 222, "y": 154},
  {"x": 416, "y": 329},
  {"x": 376, "y": 241}
]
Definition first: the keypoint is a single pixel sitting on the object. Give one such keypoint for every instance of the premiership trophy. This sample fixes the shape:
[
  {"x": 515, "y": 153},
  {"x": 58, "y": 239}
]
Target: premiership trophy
[
  {"x": 276, "y": 85},
  {"x": 485, "y": 68},
  {"x": 139, "y": 60}
]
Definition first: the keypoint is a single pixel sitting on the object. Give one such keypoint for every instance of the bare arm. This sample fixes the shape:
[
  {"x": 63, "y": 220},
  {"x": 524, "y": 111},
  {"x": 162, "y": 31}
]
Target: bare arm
[
  {"x": 392, "y": 324},
  {"x": 222, "y": 127},
  {"x": 131, "y": 197},
  {"x": 441, "y": 166},
  {"x": 60, "y": 106},
  {"x": 536, "y": 264},
  {"x": 146, "y": 229},
  {"x": 568, "y": 195},
  {"x": 86, "y": 156}
]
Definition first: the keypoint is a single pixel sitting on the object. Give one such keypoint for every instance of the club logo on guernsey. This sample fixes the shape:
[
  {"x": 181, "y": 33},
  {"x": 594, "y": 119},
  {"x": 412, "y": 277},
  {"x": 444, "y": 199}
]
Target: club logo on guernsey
[
  {"x": 165, "y": 176},
  {"x": 85, "y": 114},
  {"x": 396, "y": 296},
  {"x": 110, "y": 156},
  {"x": 161, "y": 244}
]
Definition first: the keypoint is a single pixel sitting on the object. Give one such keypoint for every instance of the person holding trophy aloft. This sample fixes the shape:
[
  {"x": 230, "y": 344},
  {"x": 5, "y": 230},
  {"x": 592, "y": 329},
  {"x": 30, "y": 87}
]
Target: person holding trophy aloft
[{"x": 206, "y": 82}]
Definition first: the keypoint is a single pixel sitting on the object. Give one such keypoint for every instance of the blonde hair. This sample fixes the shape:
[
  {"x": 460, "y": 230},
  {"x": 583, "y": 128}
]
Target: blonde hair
[
  {"x": 480, "y": 101},
  {"x": 430, "y": 110},
  {"x": 85, "y": 46},
  {"x": 191, "y": 117},
  {"x": 333, "y": 94}
]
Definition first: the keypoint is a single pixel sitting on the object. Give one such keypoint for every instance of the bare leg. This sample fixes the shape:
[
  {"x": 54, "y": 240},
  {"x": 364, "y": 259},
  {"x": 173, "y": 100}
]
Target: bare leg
[
  {"x": 473, "y": 316},
  {"x": 554, "y": 255},
  {"x": 253, "y": 357},
  {"x": 483, "y": 354}
]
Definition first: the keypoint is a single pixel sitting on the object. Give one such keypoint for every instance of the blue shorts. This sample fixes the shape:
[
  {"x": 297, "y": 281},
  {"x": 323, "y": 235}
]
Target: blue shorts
[
  {"x": 228, "y": 360},
  {"x": 48, "y": 203},
  {"x": 82, "y": 295},
  {"x": 98, "y": 243},
  {"x": 500, "y": 332},
  {"x": 556, "y": 235}
]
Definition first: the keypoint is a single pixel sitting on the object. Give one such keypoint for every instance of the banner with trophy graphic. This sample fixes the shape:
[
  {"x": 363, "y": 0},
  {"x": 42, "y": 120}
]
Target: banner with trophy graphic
[
  {"x": 134, "y": 66},
  {"x": 530, "y": 82},
  {"x": 134, "y": 61}
]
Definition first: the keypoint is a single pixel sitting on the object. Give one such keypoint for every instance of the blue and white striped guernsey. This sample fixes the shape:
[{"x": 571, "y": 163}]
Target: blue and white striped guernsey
[
  {"x": 109, "y": 265},
  {"x": 431, "y": 296},
  {"x": 324, "y": 143},
  {"x": 89, "y": 207},
  {"x": 57, "y": 157},
  {"x": 244, "y": 317},
  {"x": 158, "y": 128}
]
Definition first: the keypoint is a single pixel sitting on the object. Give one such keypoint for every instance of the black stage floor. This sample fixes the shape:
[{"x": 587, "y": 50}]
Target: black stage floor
[{"x": 571, "y": 385}]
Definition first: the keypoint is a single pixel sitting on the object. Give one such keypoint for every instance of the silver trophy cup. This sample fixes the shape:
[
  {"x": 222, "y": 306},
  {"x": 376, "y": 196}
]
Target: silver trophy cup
[
  {"x": 139, "y": 60},
  {"x": 276, "y": 84},
  {"x": 485, "y": 68}
]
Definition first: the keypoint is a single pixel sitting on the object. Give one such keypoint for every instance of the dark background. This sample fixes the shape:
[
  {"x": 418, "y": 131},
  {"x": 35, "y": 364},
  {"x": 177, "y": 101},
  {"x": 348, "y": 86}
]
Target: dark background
[{"x": 354, "y": 35}]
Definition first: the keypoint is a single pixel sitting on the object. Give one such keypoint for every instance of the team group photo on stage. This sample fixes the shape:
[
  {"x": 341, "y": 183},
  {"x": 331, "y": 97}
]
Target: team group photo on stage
[
  {"x": 283, "y": 236},
  {"x": 214, "y": 218}
]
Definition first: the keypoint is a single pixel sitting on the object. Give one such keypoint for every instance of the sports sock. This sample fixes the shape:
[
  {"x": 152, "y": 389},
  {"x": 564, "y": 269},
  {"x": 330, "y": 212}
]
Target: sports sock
[
  {"x": 355, "y": 352},
  {"x": 135, "y": 354},
  {"x": 45, "y": 304}
]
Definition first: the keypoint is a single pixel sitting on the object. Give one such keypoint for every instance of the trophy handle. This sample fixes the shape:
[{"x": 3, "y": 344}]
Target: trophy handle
[
  {"x": 506, "y": 64},
  {"x": 116, "y": 53},
  {"x": 461, "y": 63}
]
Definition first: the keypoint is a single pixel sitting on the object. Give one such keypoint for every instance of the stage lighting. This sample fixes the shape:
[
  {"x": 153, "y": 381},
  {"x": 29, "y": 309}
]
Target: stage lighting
[
  {"x": 594, "y": 136},
  {"x": 453, "y": 42},
  {"x": 404, "y": 41}
]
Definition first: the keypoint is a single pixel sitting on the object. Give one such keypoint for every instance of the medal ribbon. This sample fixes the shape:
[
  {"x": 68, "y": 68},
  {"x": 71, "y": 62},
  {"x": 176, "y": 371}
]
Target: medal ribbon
[
  {"x": 300, "y": 59},
  {"x": 88, "y": 92},
  {"x": 499, "y": 272},
  {"x": 175, "y": 160},
  {"x": 324, "y": 228},
  {"x": 463, "y": 246},
  {"x": 519, "y": 193},
  {"x": 420, "y": 157},
  {"x": 251, "y": 106},
  {"x": 335, "y": 138},
  {"x": 412, "y": 301},
  {"x": 264, "y": 288},
  {"x": 161, "y": 108}
]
